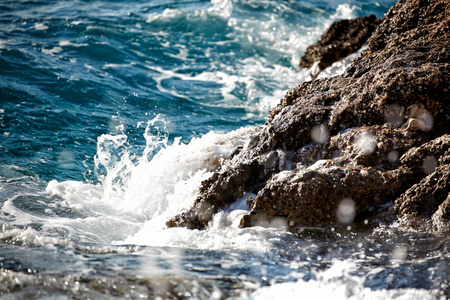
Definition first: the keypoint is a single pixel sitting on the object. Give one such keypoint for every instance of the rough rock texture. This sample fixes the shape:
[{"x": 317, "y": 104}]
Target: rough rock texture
[
  {"x": 372, "y": 143},
  {"x": 341, "y": 39},
  {"x": 425, "y": 197}
]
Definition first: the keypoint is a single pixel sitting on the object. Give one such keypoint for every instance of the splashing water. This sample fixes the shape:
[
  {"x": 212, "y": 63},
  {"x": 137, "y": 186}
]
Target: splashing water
[
  {"x": 154, "y": 186},
  {"x": 113, "y": 113}
]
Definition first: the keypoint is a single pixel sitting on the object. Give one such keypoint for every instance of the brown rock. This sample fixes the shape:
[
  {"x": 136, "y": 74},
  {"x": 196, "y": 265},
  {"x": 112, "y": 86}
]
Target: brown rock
[
  {"x": 384, "y": 138},
  {"x": 425, "y": 197},
  {"x": 442, "y": 215},
  {"x": 341, "y": 39}
]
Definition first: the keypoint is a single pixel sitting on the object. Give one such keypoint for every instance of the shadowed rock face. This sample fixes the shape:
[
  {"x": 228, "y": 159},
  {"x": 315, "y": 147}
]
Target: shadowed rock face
[
  {"x": 341, "y": 39},
  {"x": 342, "y": 149}
]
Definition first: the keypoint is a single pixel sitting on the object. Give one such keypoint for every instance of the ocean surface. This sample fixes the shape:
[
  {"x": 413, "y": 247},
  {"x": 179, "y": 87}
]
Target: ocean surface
[{"x": 111, "y": 115}]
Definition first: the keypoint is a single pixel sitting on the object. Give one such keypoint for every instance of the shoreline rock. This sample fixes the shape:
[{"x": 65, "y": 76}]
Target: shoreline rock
[
  {"x": 370, "y": 144},
  {"x": 343, "y": 38}
]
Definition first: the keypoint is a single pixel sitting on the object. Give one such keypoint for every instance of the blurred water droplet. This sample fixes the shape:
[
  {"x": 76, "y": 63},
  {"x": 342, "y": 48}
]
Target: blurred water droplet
[
  {"x": 399, "y": 254},
  {"x": 216, "y": 293},
  {"x": 393, "y": 156},
  {"x": 366, "y": 143},
  {"x": 66, "y": 159},
  {"x": 429, "y": 164},
  {"x": 320, "y": 133},
  {"x": 279, "y": 222},
  {"x": 420, "y": 113},
  {"x": 395, "y": 115},
  {"x": 389, "y": 278},
  {"x": 346, "y": 211}
]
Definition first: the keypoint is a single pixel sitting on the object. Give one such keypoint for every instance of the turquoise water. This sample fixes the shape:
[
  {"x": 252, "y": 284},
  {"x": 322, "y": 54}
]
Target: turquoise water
[{"x": 112, "y": 113}]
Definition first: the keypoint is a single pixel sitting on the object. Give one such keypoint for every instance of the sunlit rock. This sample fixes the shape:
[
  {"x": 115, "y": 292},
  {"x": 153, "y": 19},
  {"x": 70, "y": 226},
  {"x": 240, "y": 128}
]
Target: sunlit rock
[
  {"x": 341, "y": 39},
  {"x": 368, "y": 135}
]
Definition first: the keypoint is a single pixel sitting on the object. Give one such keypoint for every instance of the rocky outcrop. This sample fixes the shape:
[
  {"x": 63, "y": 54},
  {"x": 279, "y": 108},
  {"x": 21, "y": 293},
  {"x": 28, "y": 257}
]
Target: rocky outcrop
[
  {"x": 424, "y": 198},
  {"x": 372, "y": 143},
  {"x": 341, "y": 39}
]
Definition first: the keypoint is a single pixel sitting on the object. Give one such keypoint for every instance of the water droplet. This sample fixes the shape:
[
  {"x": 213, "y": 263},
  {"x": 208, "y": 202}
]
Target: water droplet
[
  {"x": 66, "y": 159},
  {"x": 393, "y": 156},
  {"x": 399, "y": 254},
  {"x": 395, "y": 115},
  {"x": 346, "y": 211},
  {"x": 429, "y": 164},
  {"x": 366, "y": 143},
  {"x": 280, "y": 222},
  {"x": 419, "y": 113},
  {"x": 319, "y": 134},
  {"x": 216, "y": 293},
  {"x": 389, "y": 278}
]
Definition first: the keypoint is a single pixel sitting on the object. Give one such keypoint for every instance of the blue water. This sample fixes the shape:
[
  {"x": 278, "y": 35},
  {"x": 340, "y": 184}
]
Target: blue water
[{"x": 113, "y": 112}]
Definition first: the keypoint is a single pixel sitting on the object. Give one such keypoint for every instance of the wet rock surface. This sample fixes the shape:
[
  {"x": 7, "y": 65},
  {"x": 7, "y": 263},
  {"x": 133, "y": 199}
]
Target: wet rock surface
[
  {"x": 371, "y": 144},
  {"x": 341, "y": 39}
]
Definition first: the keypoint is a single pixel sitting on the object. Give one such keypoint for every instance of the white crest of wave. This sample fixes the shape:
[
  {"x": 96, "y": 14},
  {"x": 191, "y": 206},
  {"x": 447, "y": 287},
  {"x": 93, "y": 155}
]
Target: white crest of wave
[
  {"x": 221, "y": 8},
  {"x": 142, "y": 192},
  {"x": 345, "y": 12}
]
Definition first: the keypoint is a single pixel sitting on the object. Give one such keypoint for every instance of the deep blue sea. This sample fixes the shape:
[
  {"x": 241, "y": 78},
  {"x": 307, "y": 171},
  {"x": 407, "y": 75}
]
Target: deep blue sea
[{"x": 111, "y": 115}]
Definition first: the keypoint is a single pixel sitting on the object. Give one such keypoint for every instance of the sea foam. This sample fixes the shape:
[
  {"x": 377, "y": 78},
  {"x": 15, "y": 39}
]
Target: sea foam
[{"x": 143, "y": 192}]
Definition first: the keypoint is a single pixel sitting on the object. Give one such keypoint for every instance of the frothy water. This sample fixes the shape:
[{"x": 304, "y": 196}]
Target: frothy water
[
  {"x": 112, "y": 115},
  {"x": 138, "y": 194}
]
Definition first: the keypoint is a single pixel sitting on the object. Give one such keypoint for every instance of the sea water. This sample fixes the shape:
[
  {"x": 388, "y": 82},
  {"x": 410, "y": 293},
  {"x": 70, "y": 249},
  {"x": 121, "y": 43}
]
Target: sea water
[{"x": 112, "y": 113}]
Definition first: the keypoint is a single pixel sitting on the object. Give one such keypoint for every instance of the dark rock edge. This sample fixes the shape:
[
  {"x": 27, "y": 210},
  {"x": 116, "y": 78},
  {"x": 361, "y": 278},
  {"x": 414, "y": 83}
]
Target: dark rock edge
[
  {"x": 381, "y": 146},
  {"x": 343, "y": 38}
]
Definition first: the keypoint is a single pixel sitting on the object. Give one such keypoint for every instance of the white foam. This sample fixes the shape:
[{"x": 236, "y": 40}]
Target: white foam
[
  {"x": 144, "y": 192},
  {"x": 337, "y": 282},
  {"x": 69, "y": 43},
  {"x": 318, "y": 164},
  {"x": 137, "y": 198},
  {"x": 40, "y": 26},
  {"x": 166, "y": 14},
  {"x": 339, "y": 67},
  {"x": 3, "y": 44},
  {"x": 344, "y": 12},
  {"x": 221, "y": 8},
  {"x": 20, "y": 217}
]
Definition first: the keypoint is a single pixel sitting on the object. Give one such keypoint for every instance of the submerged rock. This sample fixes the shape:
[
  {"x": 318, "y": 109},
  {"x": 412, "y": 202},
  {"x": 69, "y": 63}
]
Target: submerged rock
[
  {"x": 372, "y": 143},
  {"x": 341, "y": 39}
]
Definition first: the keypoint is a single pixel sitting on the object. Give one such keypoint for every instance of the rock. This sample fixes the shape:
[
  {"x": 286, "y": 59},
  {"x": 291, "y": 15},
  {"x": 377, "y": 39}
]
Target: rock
[
  {"x": 424, "y": 198},
  {"x": 341, "y": 39},
  {"x": 442, "y": 215},
  {"x": 370, "y": 144}
]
